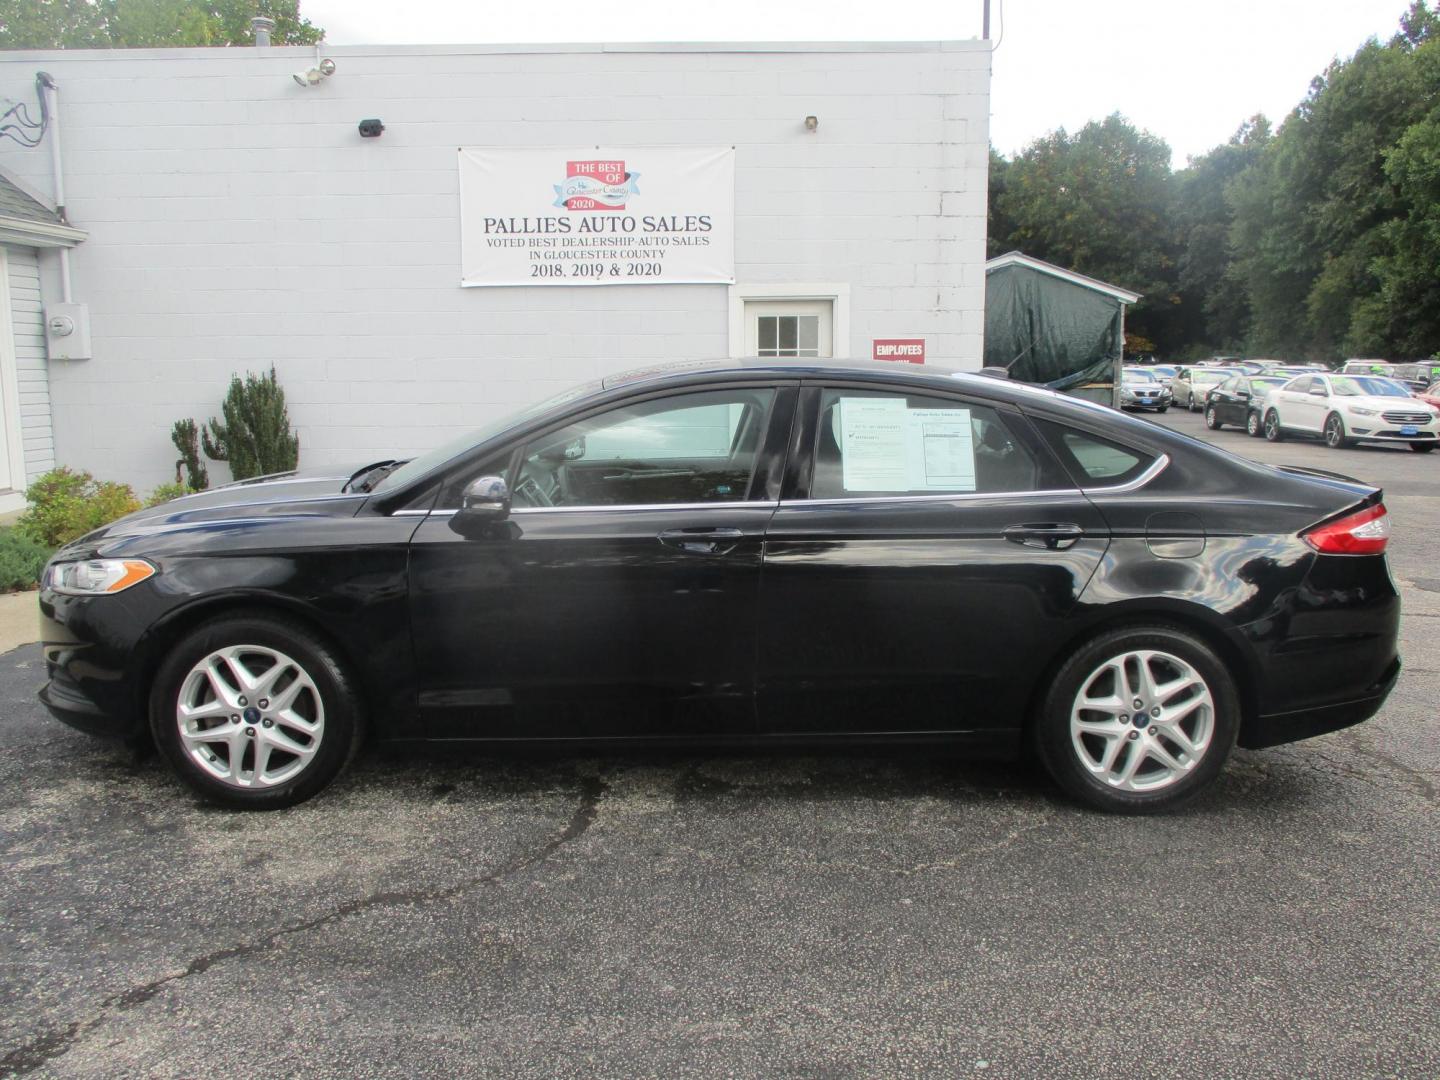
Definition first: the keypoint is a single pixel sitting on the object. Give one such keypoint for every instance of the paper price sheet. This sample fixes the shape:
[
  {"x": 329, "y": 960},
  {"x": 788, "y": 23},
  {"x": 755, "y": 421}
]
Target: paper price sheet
[{"x": 888, "y": 446}]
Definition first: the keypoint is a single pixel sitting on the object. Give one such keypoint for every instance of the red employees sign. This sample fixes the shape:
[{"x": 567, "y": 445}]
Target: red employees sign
[{"x": 905, "y": 350}]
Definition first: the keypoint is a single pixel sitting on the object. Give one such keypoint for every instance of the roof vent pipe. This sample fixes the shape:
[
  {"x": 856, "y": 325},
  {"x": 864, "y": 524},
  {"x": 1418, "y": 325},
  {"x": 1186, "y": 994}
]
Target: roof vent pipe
[{"x": 262, "y": 27}]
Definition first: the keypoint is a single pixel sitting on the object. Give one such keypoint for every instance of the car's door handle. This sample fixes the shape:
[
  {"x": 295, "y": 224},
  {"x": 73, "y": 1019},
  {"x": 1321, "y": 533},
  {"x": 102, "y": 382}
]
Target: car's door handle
[
  {"x": 702, "y": 541},
  {"x": 1053, "y": 535}
]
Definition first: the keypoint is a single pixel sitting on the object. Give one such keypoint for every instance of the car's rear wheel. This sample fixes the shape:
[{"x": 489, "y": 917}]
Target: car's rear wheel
[
  {"x": 1212, "y": 418},
  {"x": 1422, "y": 448},
  {"x": 254, "y": 711},
  {"x": 1335, "y": 432},
  {"x": 1252, "y": 425},
  {"x": 1139, "y": 720},
  {"x": 1272, "y": 426}
]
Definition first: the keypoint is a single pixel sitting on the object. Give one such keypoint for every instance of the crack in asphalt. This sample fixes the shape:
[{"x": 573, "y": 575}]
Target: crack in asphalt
[
  {"x": 45, "y": 1048},
  {"x": 1420, "y": 782}
]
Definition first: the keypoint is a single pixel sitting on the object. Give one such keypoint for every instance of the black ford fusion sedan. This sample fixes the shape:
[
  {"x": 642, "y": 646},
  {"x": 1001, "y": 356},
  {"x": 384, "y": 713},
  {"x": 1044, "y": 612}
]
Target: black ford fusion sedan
[{"x": 741, "y": 553}]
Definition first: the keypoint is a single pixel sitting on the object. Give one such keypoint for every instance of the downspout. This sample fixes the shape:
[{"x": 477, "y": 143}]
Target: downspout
[
  {"x": 52, "y": 114},
  {"x": 985, "y": 23}
]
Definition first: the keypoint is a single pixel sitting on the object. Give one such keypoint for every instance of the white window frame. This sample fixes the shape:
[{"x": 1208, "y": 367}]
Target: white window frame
[{"x": 837, "y": 293}]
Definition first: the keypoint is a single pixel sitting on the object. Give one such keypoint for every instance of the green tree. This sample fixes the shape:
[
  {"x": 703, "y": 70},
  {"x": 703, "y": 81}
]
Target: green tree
[
  {"x": 255, "y": 438},
  {"x": 101, "y": 24},
  {"x": 1099, "y": 202},
  {"x": 1214, "y": 312},
  {"x": 1318, "y": 217}
]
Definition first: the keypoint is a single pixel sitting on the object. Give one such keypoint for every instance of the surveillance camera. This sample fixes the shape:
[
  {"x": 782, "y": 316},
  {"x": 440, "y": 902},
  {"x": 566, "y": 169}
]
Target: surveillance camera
[{"x": 371, "y": 129}]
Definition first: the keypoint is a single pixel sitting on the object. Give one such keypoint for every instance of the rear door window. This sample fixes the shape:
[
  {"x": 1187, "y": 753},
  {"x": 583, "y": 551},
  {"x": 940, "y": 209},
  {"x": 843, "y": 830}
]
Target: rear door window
[{"x": 879, "y": 443}]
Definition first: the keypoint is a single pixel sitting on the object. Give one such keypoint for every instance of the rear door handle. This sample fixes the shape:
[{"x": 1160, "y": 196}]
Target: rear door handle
[
  {"x": 1052, "y": 535},
  {"x": 702, "y": 541}
]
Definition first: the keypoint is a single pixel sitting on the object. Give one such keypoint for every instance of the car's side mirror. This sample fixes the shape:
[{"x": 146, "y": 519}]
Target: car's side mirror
[{"x": 485, "y": 499}]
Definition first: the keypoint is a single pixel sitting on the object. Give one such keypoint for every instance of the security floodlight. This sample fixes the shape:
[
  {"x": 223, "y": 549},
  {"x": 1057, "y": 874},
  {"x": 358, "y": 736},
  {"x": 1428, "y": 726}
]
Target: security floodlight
[{"x": 327, "y": 67}]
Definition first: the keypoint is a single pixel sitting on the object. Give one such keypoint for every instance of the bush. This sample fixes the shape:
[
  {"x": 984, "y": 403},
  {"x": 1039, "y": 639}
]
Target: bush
[
  {"x": 255, "y": 437},
  {"x": 66, "y": 504},
  {"x": 165, "y": 492},
  {"x": 21, "y": 560},
  {"x": 186, "y": 437}
]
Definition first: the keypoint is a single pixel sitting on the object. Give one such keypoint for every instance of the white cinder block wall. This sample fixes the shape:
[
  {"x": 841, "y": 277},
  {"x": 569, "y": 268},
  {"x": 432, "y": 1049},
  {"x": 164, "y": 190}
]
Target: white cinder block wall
[{"x": 236, "y": 219}]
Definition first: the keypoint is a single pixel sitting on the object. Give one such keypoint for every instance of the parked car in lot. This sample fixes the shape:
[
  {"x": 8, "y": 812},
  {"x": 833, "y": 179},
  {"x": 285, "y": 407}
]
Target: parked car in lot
[
  {"x": 1140, "y": 389},
  {"x": 1366, "y": 367},
  {"x": 1240, "y": 400},
  {"x": 1345, "y": 409},
  {"x": 753, "y": 553},
  {"x": 1191, "y": 384},
  {"x": 1417, "y": 377}
]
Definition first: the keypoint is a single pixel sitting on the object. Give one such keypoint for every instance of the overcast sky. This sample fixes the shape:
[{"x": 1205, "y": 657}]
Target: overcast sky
[{"x": 1188, "y": 70}]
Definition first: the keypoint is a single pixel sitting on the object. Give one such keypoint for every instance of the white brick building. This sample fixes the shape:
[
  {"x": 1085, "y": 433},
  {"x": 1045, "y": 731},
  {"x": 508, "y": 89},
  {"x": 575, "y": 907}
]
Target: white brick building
[{"x": 234, "y": 219}]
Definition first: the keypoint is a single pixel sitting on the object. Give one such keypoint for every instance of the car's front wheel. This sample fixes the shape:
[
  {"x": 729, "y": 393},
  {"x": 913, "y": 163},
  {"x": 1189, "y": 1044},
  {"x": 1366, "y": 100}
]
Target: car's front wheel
[
  {"x": 1335, "y": 433},
  {"x": 254, "y": 711},
  {"x": 1212, "y": 418},
  {"x": 1138, "y": 720},
  {"x": 1422, "y": 448},
  {"x": 1273, "y": 431},
  {"x": 1252, "y": 425}
]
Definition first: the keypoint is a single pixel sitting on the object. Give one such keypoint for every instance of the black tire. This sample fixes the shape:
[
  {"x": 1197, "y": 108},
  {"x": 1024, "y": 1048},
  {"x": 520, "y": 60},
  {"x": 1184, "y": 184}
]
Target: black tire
[
  {"x": 1190, "y": 405},
  {"x": 1162, "y": 408},
  {"x": 1335, "y": 433},
  {"x": 1052, "y": 738},
  {"x": 1252, "y": 425},
  {"x": 1273, "y": 432},
  {"x": 1422, "y": 448},
  {"x": 340, "y": 736},
  {"x": 1212, "y": 418}
]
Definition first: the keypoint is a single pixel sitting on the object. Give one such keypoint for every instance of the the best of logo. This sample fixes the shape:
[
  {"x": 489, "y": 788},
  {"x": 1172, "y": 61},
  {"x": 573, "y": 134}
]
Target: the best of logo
[{"x": 596, "y": 185}]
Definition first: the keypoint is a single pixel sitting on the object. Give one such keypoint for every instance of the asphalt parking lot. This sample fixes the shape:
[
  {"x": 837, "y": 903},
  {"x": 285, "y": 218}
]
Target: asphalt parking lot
[{"x": 818, "y": 916}]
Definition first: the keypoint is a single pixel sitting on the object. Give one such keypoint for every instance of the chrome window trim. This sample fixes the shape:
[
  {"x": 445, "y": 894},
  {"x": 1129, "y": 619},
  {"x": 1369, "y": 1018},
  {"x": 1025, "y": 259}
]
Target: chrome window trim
[
  {"x": 752, "y": 504},
  {"x": 1156, "y": 468},
  {"x": 958, "y": 496}
]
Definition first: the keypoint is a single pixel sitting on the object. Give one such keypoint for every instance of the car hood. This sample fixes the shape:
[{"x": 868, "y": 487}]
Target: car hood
[
  {"x": 1383, "y": 404},
  {"x": 304, "y": 493}
]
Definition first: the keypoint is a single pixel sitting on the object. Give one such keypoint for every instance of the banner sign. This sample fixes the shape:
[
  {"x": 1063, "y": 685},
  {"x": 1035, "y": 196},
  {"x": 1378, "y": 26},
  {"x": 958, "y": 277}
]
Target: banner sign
[
  {"x": 573, "y": 216},
  {"x": 905, "y": 350}
]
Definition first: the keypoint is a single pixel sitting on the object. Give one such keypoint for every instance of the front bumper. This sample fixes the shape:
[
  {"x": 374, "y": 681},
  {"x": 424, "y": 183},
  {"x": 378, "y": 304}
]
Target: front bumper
[{"x": 92, "y": 660}]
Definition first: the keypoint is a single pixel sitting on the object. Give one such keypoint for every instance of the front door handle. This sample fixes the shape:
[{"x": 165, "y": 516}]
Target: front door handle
[
  {"x": 1052, "y": 535},
  {"x": 702, "y": 541}
]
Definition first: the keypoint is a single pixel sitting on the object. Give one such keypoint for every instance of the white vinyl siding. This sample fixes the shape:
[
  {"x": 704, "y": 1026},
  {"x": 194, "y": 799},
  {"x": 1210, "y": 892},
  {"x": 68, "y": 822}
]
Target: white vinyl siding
[{"x": 27, "y": 318}]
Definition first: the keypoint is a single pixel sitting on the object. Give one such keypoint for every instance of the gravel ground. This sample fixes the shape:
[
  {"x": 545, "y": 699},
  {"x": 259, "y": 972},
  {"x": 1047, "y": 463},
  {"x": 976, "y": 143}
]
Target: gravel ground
[{"x": 670, "y": 916}]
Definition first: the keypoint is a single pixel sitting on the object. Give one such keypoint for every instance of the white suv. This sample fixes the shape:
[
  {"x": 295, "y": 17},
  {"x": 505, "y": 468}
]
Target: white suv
[{"x": 1345, "y": 409}]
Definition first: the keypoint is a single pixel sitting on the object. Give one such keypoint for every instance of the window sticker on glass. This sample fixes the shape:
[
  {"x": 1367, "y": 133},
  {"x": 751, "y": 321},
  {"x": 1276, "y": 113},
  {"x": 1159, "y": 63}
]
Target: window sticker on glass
[{"x": 888, "y": 446}]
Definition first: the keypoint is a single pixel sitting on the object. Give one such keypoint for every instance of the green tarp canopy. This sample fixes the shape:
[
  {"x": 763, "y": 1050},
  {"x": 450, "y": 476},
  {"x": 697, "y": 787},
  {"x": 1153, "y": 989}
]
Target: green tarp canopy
[{"x": 1048, "y": 325}]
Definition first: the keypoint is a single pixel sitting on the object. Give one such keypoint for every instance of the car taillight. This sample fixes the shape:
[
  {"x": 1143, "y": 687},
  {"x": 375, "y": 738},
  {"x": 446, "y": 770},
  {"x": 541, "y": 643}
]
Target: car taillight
[{"x": 1365, "y": 532}]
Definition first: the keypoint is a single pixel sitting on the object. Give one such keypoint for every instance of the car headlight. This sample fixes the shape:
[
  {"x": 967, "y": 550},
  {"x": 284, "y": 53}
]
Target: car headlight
[
  {"x": 97, "y": 577},
  {"x": 1360, "y": 410}
]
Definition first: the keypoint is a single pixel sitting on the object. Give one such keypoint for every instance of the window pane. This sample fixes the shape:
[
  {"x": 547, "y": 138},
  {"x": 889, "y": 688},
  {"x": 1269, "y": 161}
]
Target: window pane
[
  {"x": 1094, "y": 461},
  {"x": 873, "y": 443},
  {"x": 768, "y": 332},
  {"x": 689, "y": 448},
  {"x": 809, "y": 334},
  {"x": 787, "y": 334}
]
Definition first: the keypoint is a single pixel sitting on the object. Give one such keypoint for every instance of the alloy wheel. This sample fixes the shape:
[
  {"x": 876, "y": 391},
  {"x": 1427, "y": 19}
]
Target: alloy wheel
[
  {"x": 1142, "y": 720},
  {"x": 1252, "y": 425},
  {"x": 1334, "y": 433},
  {"x": 250, "y": 716}
]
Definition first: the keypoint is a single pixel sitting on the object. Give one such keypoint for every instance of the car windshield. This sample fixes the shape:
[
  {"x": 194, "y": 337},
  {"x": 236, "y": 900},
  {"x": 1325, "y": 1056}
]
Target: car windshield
[
  {"x": 1138, "y": 377},
  {"x": 419, "y": 466},
  {"x": 1366, "y": 386},
  {"x": 1165, "y": 369},
  {"x": 1263, "y": 381},
  {"x": 1210, "y": 376}
]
